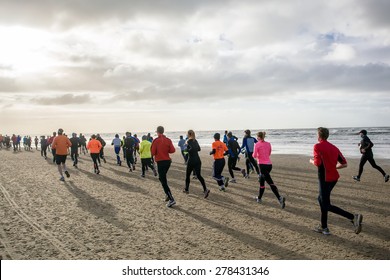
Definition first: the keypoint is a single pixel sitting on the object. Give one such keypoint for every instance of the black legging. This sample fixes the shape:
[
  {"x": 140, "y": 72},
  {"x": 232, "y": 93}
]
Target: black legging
[
  {"x": 232, "y": 161},
  {"x": 265, "y": 170},
  {"x": 43, "y": 150},
  {"x": 325, "y": 189},
  {"x": 368, "y": 156},
  {"x": 218, "y": 166},
  {"x": 249, "y": 160},
  {"x": 146, "y": 162},
  {"x": 196, "y": 167},
  {"x": 95, "y": 158},
  {"x": 163, "y": 167}
]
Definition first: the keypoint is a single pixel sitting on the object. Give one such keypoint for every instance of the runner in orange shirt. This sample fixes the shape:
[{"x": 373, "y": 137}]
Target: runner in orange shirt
[
  {"x": 94, "y": 146},
  {"x": 219, "y": 150},
  {"x": 61, "y": 144}
]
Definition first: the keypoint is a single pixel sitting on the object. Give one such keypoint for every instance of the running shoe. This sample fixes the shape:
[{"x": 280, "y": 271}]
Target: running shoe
[
  {"x": 104, "y": 159},
  {"x": 143, "y": 175},
  {"x": 258, "y": 200},
  {"x": 222, "y": 188},
  {"x": 282, "y": 201},
  {"x": 247, "y": 176},
  {"x": 206, "y": 193},
  {"x": 62, "y": 179},
  {"x": 171, "y": 203},
  {"x": 226, "y": 182},
  {"x": 130, "y": 170},
  {"x": 356, "y": 178},
  {"x": 98, "y": 172},
  {"x": 166, "y": 198},
  {"x": 233, "y": 181},
  {"x": 67, "y": 173},
  {"x": 387, "y": 177},
  {"x": 322, "y": 230},
  {"x": 154, "y": 172},
  {"x": 186, "y": 191},
  {"x": 357, "y": 223}
]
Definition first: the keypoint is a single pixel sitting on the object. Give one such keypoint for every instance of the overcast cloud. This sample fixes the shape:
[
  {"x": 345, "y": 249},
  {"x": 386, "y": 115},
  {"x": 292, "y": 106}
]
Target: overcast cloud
[{"x": 194, "y": 64}]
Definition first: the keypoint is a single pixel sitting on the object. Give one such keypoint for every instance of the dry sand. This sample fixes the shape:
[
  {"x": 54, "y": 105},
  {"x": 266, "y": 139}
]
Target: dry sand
[{"x": 119, "y": 215}]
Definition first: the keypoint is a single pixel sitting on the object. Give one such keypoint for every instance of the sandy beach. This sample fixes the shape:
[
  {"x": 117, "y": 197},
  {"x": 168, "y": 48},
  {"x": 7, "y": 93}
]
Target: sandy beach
[{"x": 119, "y": 215}]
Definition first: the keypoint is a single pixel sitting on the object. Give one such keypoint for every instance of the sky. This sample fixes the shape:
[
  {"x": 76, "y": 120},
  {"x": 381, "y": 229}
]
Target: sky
[{"x": 122, "y": 65}]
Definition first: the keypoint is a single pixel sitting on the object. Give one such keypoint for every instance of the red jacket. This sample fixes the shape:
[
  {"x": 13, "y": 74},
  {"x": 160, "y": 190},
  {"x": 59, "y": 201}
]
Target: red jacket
[
  {"x": 326, "y": 156},
  {"x": 161, "y": 148}
]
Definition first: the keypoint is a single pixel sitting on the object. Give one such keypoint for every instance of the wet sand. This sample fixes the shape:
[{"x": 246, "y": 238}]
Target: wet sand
[{"x": 119, "y": 215}]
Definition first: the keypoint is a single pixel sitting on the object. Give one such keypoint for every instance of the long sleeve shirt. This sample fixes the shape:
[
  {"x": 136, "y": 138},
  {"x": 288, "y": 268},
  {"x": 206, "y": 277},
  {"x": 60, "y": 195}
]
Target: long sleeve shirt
[
  {"x": 262, "y": 152},
  {"x": 162, "y": 147}
]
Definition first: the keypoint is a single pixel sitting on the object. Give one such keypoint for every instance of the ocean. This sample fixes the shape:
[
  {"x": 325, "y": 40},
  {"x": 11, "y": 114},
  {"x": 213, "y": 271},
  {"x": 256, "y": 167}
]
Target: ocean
[{"x": 295, "y": 141}]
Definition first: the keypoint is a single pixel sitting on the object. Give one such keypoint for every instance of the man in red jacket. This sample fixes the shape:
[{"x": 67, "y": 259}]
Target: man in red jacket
[
  {"x": 328, "y": 159},
  {"x": 161, "y": 148}
]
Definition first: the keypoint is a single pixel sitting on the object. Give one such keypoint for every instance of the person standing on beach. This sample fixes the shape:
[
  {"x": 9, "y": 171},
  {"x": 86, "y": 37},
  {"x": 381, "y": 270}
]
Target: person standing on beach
[
  {"x": 117, "y": 143},
  {"x": 328, "y": 159},
  {"x": 146, "y": 156},
  {"x": 234, "y": 153},
  {"x": 194, "y": 163},
  {"x": 365, "y": 146},
  {"x": 94, "y": 146},
  {"x": 248, "y": 144},
  {"x": 74, "y": 150},
  {"x": 161, "y": 148},
  {"x": 60, "y": 145},
  {"x": 262, "y": 152},
  {"x": 219, "y": 150}
]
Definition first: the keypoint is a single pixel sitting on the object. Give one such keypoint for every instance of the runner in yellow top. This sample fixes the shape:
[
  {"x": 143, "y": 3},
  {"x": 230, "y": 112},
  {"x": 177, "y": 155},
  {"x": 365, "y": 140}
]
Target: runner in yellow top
[{"x": 61, "y": 144}]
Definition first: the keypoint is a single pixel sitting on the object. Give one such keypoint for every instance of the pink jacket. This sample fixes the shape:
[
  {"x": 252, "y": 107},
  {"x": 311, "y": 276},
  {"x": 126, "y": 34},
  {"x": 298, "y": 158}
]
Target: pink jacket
[{"x": 262, "y": 152}]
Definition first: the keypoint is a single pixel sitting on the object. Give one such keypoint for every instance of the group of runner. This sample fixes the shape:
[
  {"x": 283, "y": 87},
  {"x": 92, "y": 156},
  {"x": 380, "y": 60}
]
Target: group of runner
[{"x": 257, "y": 151}]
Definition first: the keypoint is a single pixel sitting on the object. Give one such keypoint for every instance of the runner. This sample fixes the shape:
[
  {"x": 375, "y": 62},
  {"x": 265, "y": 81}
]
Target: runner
[
  {"x": 36, "y": 140},
  {"x": 248, "y": 144},
  {"x": 146, "y": 156},
  {"x": 101, "y": 155},
  {"x": 94, "y": 146},
  {"x": 128, "y": 146},
  {"x": 61, "y": 144},
  {"x": 117, "y": 143},
  {"x": 44, "y": 147},
  {"x": 50, "y": 143},
  {"x": 219, "y": 150},
  {"x": 262, "y": 152},
  {"x": 161, "y": 148},
  {"x": 194, "y": 163},
  {"x": 328, "y": 159},
  {"x": 234, "y": 152},
  {"x": 74, "y": 150},
  {"x": 367, "y": 155},
  {"x": 182, "y": 146}
]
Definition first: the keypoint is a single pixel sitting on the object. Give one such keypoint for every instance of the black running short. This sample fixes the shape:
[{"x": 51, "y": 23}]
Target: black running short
[{"x": 60, "y": 159}]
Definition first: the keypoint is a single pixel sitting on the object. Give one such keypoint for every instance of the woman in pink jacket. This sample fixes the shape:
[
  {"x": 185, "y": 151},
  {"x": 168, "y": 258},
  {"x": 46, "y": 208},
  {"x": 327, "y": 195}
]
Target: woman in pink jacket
[{"x": 262, "y": 152}]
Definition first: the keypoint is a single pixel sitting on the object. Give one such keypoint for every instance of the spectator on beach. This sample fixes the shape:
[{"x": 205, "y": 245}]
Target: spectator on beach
[
  {"x": 194, "y": 163},
  {"x": 161, "y": 148},
  {"x": 328, "y": 159},
  {"x": 365, "y": 146},
  {"x": 74, "y": 150},
  {"x": 262, "y": 152},
  {"x": 146, "y": 156},
  {"x": 182, "y": 146},
  {"x": 117, "y": 143},
  {"x": 60, "y": 145},
  {"x": 219, "y": 150},
  {"x": 94, "y": 146},
  {"x": 233, "y": 156}
]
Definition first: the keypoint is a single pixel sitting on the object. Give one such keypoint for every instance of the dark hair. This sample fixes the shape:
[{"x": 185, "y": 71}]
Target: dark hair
[
  {"x": 323, "y": 133},
  {"x": 363, "y": 131},
  {"x": 230, "y": 134},
  {"x": 261, "y": 135},
  {"x": 160, "y": 129},
  {"x": 60, "y": 131},
  {"x": 217, "y": 136},
  {"x": 93, "y": 136}
]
